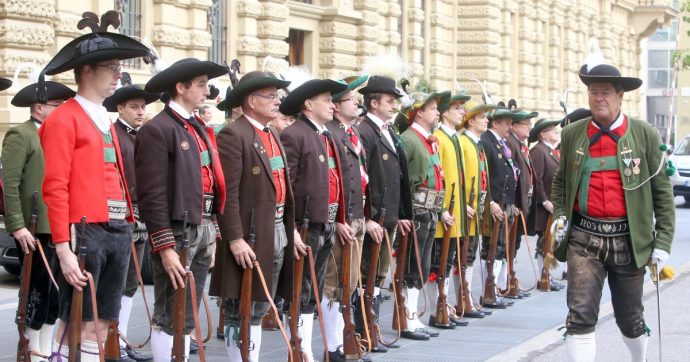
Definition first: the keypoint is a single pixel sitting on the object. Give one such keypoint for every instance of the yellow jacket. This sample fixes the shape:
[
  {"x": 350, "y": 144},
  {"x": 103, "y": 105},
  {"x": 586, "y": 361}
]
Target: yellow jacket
[
  {"x": 470, "y": 157},
  {"x": 451, "y": 162}
]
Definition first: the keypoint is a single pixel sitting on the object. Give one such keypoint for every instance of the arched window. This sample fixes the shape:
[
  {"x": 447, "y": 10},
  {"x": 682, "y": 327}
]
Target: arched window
[
  {"x": 217, "y": 22},
  {"x": 130, "y": 14}
]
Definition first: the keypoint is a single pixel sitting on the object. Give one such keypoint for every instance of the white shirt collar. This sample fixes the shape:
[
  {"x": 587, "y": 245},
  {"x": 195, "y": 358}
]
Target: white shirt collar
[
  {"x": 319, "y": 127},
  {"x": 420, "y": 129},
  {"x": 617, "y": 123},
  {"x": 179, "y": 109},
  {"x": 472, "y": 136},
  {"x": 127, "y": 124},
  {"x": 552, "y": 147},
  {"x": 376, "y": 120},
  {"x": 254, "y": 123},
  {"x": 97, "y": 112},
  {"x": 499, "y": 138},
  {"x": 450, "y": 131}
]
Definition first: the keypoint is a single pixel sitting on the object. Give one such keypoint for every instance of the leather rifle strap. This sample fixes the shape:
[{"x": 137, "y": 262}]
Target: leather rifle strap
[
  {"x": 529, "y": 253},
  {"x": 315, "y": 287},
  {"x": 260, "y": 273},
  {"x": 461, "y": 290},
  {"x": 94, "y": 307},
  {"x": 395, "y": 295},
  {"x": 195, "y": 314},
  {"x": 418, "y": 259},
  {"x": 140, "y": 280},
  {"x": 360, "y": 286},
  {"x": 45, "y": 263}
]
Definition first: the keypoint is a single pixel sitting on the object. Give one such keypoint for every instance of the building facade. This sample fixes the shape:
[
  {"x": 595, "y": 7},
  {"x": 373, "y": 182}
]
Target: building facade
[{"x": 529, "y": 50}]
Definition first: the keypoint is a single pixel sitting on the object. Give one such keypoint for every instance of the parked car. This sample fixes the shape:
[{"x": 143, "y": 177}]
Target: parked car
[
  {"x": 9, "y": 255},
  {"x": 681, "y": 178}
]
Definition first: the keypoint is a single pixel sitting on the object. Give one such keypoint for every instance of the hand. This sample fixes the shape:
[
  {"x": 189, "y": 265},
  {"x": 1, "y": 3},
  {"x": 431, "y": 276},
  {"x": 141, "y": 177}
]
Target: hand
[
  {"x": 213, "y": 254},
  {"x": 375, "y": 231},
  {"x": 659, "y": 258},
  {"x": 405, "y": 226},
  {"x": 470, "y": 212},
  {"x": 69, "y": 264},
  {"x": 243, "y": 254},
  {"x": 447, "y": 219},
  {"x": 300, "y": 247},
  {"x": 345, "y": 233},
  {"x": 548, "y": 205},
  {"x": 173, "y": 267},
  {"x": 25, "y": 239},
  {"x": 496, "y": 213}
]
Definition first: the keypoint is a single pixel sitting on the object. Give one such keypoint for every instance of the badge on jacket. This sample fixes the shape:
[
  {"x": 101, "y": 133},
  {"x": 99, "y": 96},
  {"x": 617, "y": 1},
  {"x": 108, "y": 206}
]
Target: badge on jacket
[{"x": 184, "y": 145}]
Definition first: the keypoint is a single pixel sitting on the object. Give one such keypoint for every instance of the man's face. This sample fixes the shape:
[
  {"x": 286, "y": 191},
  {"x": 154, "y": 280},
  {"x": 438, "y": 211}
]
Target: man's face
[
  {"x": 321, "y": 107},
  {"x": 42, "y": 111},
  {"x": 453, "y": 115},
  {"x": 552, "y": 135},
  {"x": 428, "y": 115},
  {"x": 282, "y": 122},
  {"x": 346, "y": 106},
  {"x": 385, "y": 108},
  {"x": 205, "y": 114},
  {"x": 502, "y": 126},
  {"x": 263, "y": 104},
  {"x": 104, "y": 77},
  {"x": 133, "y": 112},
  {"x": 604, "y": 102},
  {"x": 521, "y": 129},
  {"x": 194, "y": 96},
  {"x": 479, "y": 123}
]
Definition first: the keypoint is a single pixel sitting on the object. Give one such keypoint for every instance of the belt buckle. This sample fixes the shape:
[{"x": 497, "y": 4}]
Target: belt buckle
[
  {"x": 207, "y": 207},
  {"x": 280, "y": 212},
  {"x": 332, "y": 212},
  {"x": 117, "y": 209}
]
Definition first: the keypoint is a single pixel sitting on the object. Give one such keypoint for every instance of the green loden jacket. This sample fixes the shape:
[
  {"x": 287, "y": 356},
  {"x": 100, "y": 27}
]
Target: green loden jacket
[
  {"x": 650, "y": 208},
  {"x": 417, "y": 158},
  {"x": 23, "y": 169}
]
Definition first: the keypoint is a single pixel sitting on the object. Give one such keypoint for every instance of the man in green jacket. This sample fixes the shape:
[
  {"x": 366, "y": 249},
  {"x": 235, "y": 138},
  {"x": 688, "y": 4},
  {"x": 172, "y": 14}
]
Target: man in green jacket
[
  {"x": 22, "y": 161},
  {"x": 615, "y": 198}
]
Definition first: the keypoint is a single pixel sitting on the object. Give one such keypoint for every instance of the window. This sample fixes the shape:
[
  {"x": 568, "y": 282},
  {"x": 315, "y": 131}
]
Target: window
[
  {"x": 296, "y": 41},
  {"x": 130, "y": 14},
  {"x": 217, "y": 22},
  {"x": 659, "y": 64},
  {"x": 665, "y": 34}
]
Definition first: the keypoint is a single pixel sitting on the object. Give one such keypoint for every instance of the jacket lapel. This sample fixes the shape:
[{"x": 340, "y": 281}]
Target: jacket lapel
[
  {"x": 260, "y": 150},
  {"x": 382, "y": 138}
]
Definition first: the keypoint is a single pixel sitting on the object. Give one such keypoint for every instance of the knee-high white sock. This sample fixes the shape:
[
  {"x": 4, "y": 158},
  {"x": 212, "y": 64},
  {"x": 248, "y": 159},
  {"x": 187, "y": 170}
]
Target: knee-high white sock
[
  {"x": 469, "y": 272},
  {"x": 637, "y": 347},
  {"x": 46, "y": 339},
  {"x": 34, "y": 342},
  {"x": 231, "y": 343},
  {"x": 540, "y": 263},
  {"x": 331, "y": 314},
  {"x": 161, "y": 346},
  {"x": 63, "y": 350},
  {"x": 377, "y": 291},
  {"x": 456, "y": 278},
  {"x": 187, "y": 342},
  {"x": 503, "y": 276},
  {"x": 89, "y": 351},
  {"x": 498, "y": 264},
  {"x": 580, "y": 347},
  {"x": 305, "y": 331},
  {"x": 432, "y": 293},
  {"x": 411, "y": 304},
  {"x": 125, "y": 312},
  {"x": 446, "y": 286},
  {"x": 255, "y": 332}
]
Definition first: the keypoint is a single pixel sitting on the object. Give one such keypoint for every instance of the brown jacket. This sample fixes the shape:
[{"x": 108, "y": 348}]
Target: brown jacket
[
  {"x": 249, "y": 183},
  {"x": 308, "y": 168},
  {"x": 352, "y": 176},
  {"x": 545, "y": 164},
  {"x": 127, "y": 150}
]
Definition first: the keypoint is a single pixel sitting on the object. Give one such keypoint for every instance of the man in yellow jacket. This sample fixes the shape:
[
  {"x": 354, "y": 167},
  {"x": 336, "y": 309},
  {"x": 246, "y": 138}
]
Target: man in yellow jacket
[{"x": 451, "y": 162}]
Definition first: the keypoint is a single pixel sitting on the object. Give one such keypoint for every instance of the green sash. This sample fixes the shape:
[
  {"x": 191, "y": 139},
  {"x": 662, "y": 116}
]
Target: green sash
[
  {"x": 593, "y": 164},
  {"x": 277, "y": 163}
]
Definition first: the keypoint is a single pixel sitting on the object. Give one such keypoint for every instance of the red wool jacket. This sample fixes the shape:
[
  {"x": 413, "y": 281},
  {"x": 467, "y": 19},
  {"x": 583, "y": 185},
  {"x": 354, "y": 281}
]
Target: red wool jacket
[{"x": 74, "y": 183}]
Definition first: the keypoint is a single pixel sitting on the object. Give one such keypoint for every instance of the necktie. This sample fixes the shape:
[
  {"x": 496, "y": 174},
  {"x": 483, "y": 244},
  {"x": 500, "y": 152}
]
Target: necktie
[
  {"x": 265, "y": 129},
  {"x": 433, "y": 141},
  {"x": 509, "y": 157},
  {"x": 387, "y": 125},
  {"x": 557, "y": 153},
  {"x": 602, "y": 131},
  {"x": 358, "y": 150}
]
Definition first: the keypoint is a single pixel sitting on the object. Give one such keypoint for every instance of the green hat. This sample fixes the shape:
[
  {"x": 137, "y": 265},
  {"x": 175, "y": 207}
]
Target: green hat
[
  {"x": 249, "y": 83},
  {"x": 540, "y": 126},
  {"x": 461, "y": 96},
  {"x": 472, "y": 108},
  {"x": 501, "y": 112},
  {"x": 352, "y": 83},
  {"x": 521, "y": 115},
  {"x": 420, "y": 99}
]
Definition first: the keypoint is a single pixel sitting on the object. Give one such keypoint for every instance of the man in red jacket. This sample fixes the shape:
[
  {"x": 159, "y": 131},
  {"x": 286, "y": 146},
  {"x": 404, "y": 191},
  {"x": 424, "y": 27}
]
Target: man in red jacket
[{"x": 84, "y": 177}]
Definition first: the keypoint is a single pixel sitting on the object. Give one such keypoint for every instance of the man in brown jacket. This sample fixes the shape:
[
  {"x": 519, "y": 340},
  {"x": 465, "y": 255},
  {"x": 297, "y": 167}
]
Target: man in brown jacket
[
  {"x": 315, "y": 172},
  {"x": 254, "y": 164}
]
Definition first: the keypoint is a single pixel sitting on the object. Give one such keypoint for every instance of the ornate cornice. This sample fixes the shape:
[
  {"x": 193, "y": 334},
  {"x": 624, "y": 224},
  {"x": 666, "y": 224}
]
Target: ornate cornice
[
  {"x": 33, "y": 36},
  {"x": 38, "y": 9}
]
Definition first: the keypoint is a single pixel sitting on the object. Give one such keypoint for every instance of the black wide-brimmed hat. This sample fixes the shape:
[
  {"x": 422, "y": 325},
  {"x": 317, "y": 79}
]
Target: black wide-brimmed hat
[
  {"x": 541, "y": 125},
  {"x": 576, "y": 115},
  {"x": 184, "y": 70},
  {"x": 380, "y": 84},
  {"x": 29, "y": 94},
  {"x": 249, "y": 83},
  {"x": 606, "y": 73},
  {"x": 123, "y": 94},
  {"x": 293, "y": 102},
  {"x": 5, "y": 83}
]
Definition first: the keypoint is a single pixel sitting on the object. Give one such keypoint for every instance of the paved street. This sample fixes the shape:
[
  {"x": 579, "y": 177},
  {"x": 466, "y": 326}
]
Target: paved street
[{"x": 527, "y": 332}]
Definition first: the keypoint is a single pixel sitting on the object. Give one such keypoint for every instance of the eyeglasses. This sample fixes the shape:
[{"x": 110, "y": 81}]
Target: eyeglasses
[
  {"x": 348, "y": 99},
  {"x": 113, "y": 68},
  {"x": 270, "y": 97},
  {"x": 54, "y": 104}
]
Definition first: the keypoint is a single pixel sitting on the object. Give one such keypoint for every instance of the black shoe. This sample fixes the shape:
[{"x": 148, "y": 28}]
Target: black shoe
[
  {"x": 506, "y": 301},
  {"x": 498, "y": 304},
  {"x": 525, "y": 294},
  {"x": 556, "y": 286},
  {"x": 336, "y": 356},
  {"x": 414, "y": 335},
  {"x": 460, "y": 322},
  {"x": 386, "y": 296},
  {"x": 518, "y": 296},
  {"x": 564, "y": 276},
  {"x": 474, "y": 314},
  {"x": 380, "y": 348},
  {"x": 428, "y": 331},
  {"x": 137, "y": 355},
  {"x": 432, "y": 322},
  {"x": 486, "y": 312},
  {"x": 194, "y": 347},
  {"x": 124, "y": 357}
]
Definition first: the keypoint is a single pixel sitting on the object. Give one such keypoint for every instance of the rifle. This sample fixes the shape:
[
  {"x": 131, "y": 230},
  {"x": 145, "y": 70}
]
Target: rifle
[
  {"x": 23, "y": 350},
  {"x": 512, "y": 290},
  {"x": 350, "y": 342},
  {"x": 489, "y": 296},
  {"x": 442, "y": 319},
  {"x": 244, "y": 341},
  {"x": 180, "y": 301},
  {"x": 372, "y": 271},
  {"x": 75, "y": 311},
  {"x": 464, "y": 303},
  {"x": 544, "y": 283},
  {"x": 297, "y": 275}
]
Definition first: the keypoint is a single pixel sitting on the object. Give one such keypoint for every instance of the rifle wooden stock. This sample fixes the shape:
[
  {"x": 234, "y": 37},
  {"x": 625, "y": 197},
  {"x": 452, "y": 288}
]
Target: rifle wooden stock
[
  {"x": 180, "y": 301},
  {"x": 23, "y": 351},
  {"x": 511, "y": 285},
  {"x": 75, "y": 311},
  {"x": 544, "y": 283},
  {"x": 112, "y": 342},
  {"x": 350, "y": 343},
  {"x": 372, "y": 272},
  {"x": 246, "y": 299},
  {"x": 399, "y": 313},
  {"x": 490, "y": 285},
  {"x": 442, "y": 318},
  {"x": 297, "y": 276},
  {"x": 463, "y": 301}
]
